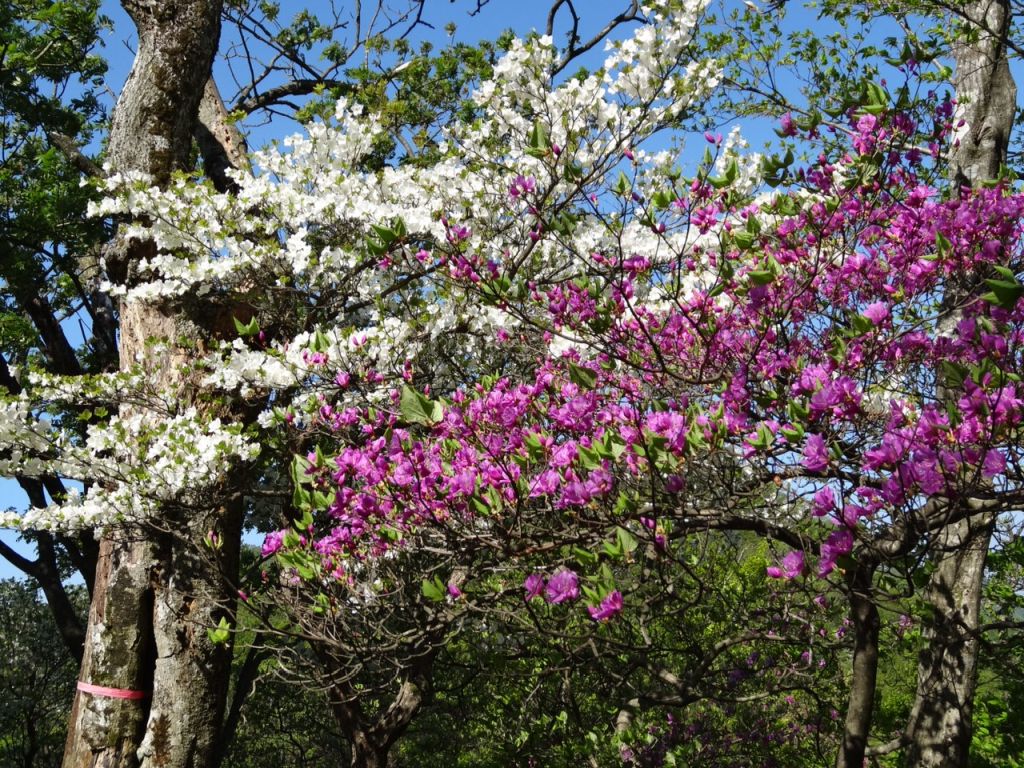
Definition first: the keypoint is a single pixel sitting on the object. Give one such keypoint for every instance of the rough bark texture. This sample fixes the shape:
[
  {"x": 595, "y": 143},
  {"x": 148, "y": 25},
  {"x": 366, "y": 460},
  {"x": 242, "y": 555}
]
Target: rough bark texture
[
  {"x": 986, "y": 93},
  {"x": 861, "y": 706},
  {"x": 940, "y": 722},
  {"x": 155, "y": 593},
  {"x": 940, "y": 729},
  {"x": 372, "y": 740},
  {"x": 220, "y": 142}
]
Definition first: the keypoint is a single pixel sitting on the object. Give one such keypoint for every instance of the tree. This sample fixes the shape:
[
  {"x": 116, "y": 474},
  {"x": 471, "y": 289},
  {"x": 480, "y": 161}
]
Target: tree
[
  {"x": 650, "y": 326},
  {"x": 163, "y": 570},
  {"x": 38, "y": 679}
]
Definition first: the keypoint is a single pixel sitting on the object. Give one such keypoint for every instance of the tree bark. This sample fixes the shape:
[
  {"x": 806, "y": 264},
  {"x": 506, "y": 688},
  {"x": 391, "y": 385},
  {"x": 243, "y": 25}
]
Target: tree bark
[
  {"x": 864, "y": 673},
  {"x": 940, "y": 729},
  {"x": 157, "y": 591},
  {"x": 940, "y": 721},
  {"x": 372, "y": 740},
  {"x": 221, "y": 144}
]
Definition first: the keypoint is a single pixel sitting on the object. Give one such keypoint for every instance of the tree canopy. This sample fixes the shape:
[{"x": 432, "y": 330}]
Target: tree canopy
[{"x": 572, "y": 423}]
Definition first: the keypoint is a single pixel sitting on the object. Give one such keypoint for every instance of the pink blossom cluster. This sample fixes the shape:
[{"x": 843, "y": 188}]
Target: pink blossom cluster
[{"x": 843, "y": 345}]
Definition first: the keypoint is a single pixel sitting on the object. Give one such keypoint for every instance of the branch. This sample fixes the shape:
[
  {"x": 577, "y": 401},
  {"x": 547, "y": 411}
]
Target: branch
[
  {"x": 300, "y": 87},
  {"x": 74, "y": 155},
  {"x": 632, "y": 13},
  {"x": 890, "y": 746},
  {"x": 220, "y": 142}
]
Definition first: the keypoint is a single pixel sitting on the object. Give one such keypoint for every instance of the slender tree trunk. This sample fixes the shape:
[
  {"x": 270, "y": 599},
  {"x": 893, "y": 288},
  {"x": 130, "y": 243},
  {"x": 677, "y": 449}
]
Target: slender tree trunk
[
  {"x": 940, "y": 729},
  {"x": 372, "y": 740},
  {"x": 940, "y": 732},
  {"x": 156, "y": 591},
  {"x": 864, "y": 673}
]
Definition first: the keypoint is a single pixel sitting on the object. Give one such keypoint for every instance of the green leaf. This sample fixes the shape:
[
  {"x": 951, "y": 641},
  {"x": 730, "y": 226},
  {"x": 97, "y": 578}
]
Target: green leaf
[
  {"x": 418, "y": 409},
  {"x": 622, "y": 184},
  {"x": 433, "y": 589},
  {"x": 1004, "y": 293},
  {"x": 248, "y": 329},
  {"x": 221, "y": 633},
  {"x": 626, "y": 540},
  {"x": 584, "y": 556},
  {"x": 953, "y": 374},
  {"x": 1005, "y": 272},
  {"x": 582, "y": 377},
  {"x": 744, "y": 239},
  {"x": 540, "y": 145},
  {"x": 386, "y": 235}
]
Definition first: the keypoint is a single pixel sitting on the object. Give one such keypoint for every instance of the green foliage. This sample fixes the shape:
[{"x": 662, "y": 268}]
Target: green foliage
[
  {"x": 49, "y": 80},
  {"x": 37, "y": 678}
]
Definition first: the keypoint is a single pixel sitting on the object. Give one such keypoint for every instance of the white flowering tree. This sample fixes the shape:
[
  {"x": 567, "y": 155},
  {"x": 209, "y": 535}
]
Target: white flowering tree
[{"x": 174, "y": 436}]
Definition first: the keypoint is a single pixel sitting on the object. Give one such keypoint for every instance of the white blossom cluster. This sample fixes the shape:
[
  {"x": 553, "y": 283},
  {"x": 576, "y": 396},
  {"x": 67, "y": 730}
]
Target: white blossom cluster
[
  {"x": 129, "y": 464},
  {"x": 25, "y": 437}
]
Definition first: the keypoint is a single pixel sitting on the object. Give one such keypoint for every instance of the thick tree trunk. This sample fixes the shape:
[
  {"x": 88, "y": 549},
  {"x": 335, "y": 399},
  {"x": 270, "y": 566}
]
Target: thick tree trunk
[
  {"x": 156, "y": 590},
  {"x": 864, "y": 673},
  {"x": 940, "y": 729},
  {"x": 940, "y": 722}
]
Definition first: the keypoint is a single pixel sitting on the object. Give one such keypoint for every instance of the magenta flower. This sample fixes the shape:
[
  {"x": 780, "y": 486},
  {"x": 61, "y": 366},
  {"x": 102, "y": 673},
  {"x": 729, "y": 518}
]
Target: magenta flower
[
  {"x": 838, "y": 543},
  {"x": 788, "y": 125},
  {"x": 877, "y": 312},
  {"x": 533, "y": 585},
  {"x": 562, "y": 587},
  {"x": 994, "y": 464},
  {"x": 611, "y": 606},
  {"x": 815, "y": 454},
  {"x": 273, "y": 542},
  {"x": 824, "y": 502},
  {"x": 792, "y": 566}
]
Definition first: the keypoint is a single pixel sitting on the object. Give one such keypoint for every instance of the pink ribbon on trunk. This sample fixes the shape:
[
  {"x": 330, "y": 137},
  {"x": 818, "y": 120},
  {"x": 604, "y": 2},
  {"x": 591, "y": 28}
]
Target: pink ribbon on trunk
[{"x": 110, "y": 693}]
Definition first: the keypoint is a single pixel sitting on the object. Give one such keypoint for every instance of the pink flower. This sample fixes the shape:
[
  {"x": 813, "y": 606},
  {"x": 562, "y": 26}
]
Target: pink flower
[
  {"x": 815, "y": 454},
  {"x": 838, "y": 543},
  {"x": 273, "y": 542},
  {"x": 792, "y": 566},
  {"x": 533, "y": 585},
  {"x": 788, "y": 125},
  {"x": 610, "y": 606},
  {"x": 562, "y": 587},
  {"x": 995, "y": 463},
  {"x": 877, "y": 312},
  {"x": 824, "y": 502}
]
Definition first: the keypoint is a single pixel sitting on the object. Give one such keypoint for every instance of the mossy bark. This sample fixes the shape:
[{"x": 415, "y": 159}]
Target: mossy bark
[{"x": 157, "y": 588}]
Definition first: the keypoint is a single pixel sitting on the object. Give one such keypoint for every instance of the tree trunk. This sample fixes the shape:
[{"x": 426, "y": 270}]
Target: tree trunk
[
  {"x": 372, "y": 740},
  {"x": 156, "y": 590},
  {"x": 864, "y": 673},
  {"x": 940, "y": 733},
  {"x": 940, "y": 729},
  {"x": 367, "y": 754}
]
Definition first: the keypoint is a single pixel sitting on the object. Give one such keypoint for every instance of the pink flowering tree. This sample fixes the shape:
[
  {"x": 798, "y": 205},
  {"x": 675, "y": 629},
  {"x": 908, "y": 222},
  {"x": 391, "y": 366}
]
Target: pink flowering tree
[{"x": 789, "y": 364}]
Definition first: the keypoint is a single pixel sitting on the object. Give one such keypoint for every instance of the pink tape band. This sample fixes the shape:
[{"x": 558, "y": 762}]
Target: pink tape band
[{"x": 110, "y": 693}]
